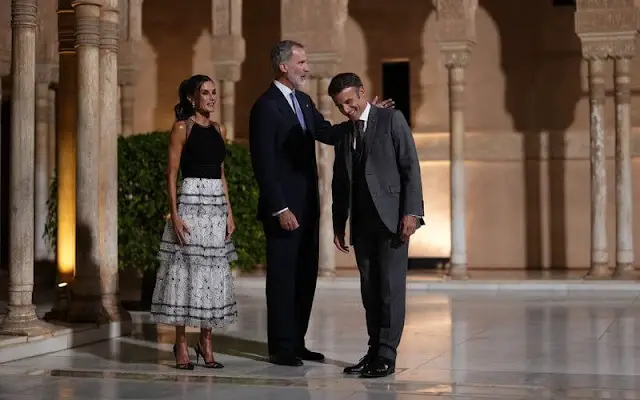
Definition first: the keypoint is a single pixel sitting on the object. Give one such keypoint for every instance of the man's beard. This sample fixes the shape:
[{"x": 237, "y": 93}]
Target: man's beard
[{"x": 297, "y": 81}]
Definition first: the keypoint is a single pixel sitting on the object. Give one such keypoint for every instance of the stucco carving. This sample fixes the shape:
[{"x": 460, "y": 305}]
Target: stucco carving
[
  {"x": 455, "y": 9},
  {"x": 600, "y": 4},
  {"x": 456, "y": 20},
  {"x": 608, "y": 48},
  {"x": 609, "y": 20},
  {"x": 228, "y": 49},
  {"x": 315, "y": 25},
  {"x": 324, "y": 65},
  {"x": 456, "y": 54},
  {"x": 455, "y": 59},
  {"x": 227, "y": 71}
]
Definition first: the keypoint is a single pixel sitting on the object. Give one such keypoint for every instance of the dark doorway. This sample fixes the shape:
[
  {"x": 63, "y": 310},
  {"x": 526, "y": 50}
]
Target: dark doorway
[
  {"x": 564, "y": 3},
  {"x": 5, "y": 154},
  {"x": 396, "y": 84}
]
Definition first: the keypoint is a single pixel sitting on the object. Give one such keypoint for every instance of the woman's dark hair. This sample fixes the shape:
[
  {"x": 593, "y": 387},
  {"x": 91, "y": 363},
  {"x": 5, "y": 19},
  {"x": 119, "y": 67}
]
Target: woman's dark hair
[{"x": 189, "y": 89}]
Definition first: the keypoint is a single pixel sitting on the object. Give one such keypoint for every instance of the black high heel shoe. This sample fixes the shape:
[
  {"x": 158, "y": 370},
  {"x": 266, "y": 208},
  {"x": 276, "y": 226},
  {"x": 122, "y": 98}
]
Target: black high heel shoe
[
  {"x": 188, "y": 366},
  {"x": 200, "y": 353}
]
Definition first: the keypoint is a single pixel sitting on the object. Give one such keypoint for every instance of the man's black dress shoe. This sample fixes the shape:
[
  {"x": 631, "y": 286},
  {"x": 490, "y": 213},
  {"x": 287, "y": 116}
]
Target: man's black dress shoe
[
  {"x": 359, "y": 367},
  {"x": 308, "y": 355},
  {"x": 285, "y": 359},
  {"x": 379, "y": 368}
]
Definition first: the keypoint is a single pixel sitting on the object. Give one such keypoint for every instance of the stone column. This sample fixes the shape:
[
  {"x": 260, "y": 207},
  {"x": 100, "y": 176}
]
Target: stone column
[
  {"x": 456, "y": 61},
  {"x": 130, "y": 34},
  {"x": 227, "y": 95},
  {"x": 599, "y": 252},
  {"x": 41, "y": 159},
  {"x": 85, "y": 303},
  {"x": 21, "y": 318},
  {"x": 624, "y": 181},
  {"x": 66, "y": 115},
  {"x": 51, "y": 108},
  {"x": 108, "y": 165},
  {"x": 127, "y": 94},
  {"x": 607, "y": 29},
  {"x": 327, "y": 256},
  {"x": 126, "y": 80},
  {"x": 228, "y": 48},
  {"x": 5, "y": 57},
  {"x": 456, "y": 36}
]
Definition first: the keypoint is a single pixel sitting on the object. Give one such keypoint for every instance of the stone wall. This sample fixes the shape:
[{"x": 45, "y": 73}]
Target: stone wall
[{"x": 526, "y": 114}]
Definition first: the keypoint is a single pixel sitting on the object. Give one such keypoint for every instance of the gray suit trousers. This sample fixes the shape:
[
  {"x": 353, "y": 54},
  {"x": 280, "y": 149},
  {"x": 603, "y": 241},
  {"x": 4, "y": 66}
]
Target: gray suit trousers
[{"x": 382, "y": 260}]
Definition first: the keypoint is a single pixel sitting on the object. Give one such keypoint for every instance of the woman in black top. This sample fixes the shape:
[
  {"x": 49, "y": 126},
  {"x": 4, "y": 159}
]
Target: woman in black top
[{"x": 194, "y": 285}]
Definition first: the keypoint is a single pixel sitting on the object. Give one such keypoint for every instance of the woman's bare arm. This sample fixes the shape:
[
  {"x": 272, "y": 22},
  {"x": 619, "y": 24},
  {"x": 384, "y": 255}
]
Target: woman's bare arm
[
  {"x": 177, "y": 139},
  {"x": 223, "y": 132}
]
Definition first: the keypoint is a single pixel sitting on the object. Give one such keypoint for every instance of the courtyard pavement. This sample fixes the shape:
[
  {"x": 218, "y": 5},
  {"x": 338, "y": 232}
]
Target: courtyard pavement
[{"x": 457, "y": 345}]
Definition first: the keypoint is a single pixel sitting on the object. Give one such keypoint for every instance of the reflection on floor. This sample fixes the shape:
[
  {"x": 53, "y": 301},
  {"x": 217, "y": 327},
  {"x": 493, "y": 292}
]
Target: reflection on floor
[{"x": 456, "y": 346}]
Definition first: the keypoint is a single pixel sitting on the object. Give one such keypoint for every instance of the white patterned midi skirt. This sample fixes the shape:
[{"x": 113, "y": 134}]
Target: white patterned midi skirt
[{"x": 194, "y": 285}]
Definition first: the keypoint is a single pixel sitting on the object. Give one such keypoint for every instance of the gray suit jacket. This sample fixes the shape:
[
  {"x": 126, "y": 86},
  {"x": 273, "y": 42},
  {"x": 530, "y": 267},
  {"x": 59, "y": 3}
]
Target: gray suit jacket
[{"x": 392, "y": 171}]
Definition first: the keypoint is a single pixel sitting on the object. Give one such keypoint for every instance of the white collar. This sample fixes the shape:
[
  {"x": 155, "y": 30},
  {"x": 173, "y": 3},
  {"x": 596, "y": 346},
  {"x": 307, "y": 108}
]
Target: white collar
[
  {"x": 365, "y": 114},
  {"x": 286, "y": 90}
]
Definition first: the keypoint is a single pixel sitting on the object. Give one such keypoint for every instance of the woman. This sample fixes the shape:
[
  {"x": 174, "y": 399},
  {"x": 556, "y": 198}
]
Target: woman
[{"x": 194, "y": 285}]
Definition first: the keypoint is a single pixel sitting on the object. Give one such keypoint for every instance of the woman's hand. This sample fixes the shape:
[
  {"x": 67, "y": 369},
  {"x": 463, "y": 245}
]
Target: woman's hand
[
  {"x": 180, "y": 229},
  {"x": 231, "y": 226}
]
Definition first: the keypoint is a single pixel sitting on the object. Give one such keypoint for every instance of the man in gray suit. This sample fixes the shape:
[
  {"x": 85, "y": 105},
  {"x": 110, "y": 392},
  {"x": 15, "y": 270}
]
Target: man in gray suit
[{"x": 377, "y": 183}]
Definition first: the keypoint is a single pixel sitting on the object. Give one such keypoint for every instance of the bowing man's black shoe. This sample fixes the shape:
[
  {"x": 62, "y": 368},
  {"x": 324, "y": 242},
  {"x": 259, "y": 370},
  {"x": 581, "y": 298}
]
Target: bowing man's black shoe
[
  {"x": 357, "y": 369},
  {"x": 379, "y": 368},
  {"x": 285, "y": 359},
  {"x": 308, "y": 355}
]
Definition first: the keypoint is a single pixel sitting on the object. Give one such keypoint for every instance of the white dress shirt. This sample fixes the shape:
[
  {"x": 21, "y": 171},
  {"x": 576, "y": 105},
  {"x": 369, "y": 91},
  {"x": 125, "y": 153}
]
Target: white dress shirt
[
  {"x": 286, "y": 92},
  {"x": 363, "y": 117}
]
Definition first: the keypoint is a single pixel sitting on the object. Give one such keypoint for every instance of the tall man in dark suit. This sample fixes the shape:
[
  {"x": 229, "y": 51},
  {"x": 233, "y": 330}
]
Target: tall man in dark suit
[
  {"x": 377, "y": 183},
  {"x": 284, "y": 125}
]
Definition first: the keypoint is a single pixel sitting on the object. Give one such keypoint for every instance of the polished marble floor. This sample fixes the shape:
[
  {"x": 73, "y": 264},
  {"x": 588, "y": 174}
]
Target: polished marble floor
[{"x": 484, "y": 345}]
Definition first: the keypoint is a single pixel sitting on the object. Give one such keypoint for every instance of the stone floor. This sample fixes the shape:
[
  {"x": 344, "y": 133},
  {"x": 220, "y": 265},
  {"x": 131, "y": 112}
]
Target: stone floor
[{"x": 482, "y": 345}]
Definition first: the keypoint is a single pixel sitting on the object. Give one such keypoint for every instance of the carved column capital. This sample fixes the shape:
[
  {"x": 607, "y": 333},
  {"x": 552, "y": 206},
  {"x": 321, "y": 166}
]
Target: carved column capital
[
  {"x": 622, "y": 78},
  {"x": 456, "y": 54},
  {"x": 24, "y": 13},
  {"x": 109, "y": 35},
  {"x": 126, "y": 66},
  {"x": 610, "y": 47},
  {"x": 324, "y": 65},
  {"x": 229, "y": 53},
  {"x": 87, "y": 24}
]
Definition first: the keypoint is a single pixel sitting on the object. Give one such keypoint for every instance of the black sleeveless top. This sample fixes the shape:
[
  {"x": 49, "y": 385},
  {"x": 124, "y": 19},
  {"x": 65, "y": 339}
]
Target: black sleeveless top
[{"x": 203, "y": 153}]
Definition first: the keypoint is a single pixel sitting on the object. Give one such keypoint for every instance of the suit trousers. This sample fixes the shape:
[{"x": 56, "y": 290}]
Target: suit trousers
[
  {"x": 382, "y": 259},
  {"x": 292, "y": 273}
]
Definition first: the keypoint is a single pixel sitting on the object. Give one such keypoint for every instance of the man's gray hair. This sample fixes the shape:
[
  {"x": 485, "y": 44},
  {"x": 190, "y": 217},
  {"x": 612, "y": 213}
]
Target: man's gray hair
[{"x": 282, "y": 52}]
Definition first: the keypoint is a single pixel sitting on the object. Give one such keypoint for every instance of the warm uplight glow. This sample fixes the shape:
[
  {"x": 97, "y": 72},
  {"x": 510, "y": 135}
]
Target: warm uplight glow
[
  {"x": 433, "y": 239},
  {"x": 66, "y": 159},
  {"x": 66, "y": 208}
]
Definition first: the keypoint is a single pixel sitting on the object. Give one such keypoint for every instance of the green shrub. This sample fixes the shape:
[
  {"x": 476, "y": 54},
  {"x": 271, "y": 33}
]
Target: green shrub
[{"x": 142, "y": 202}]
